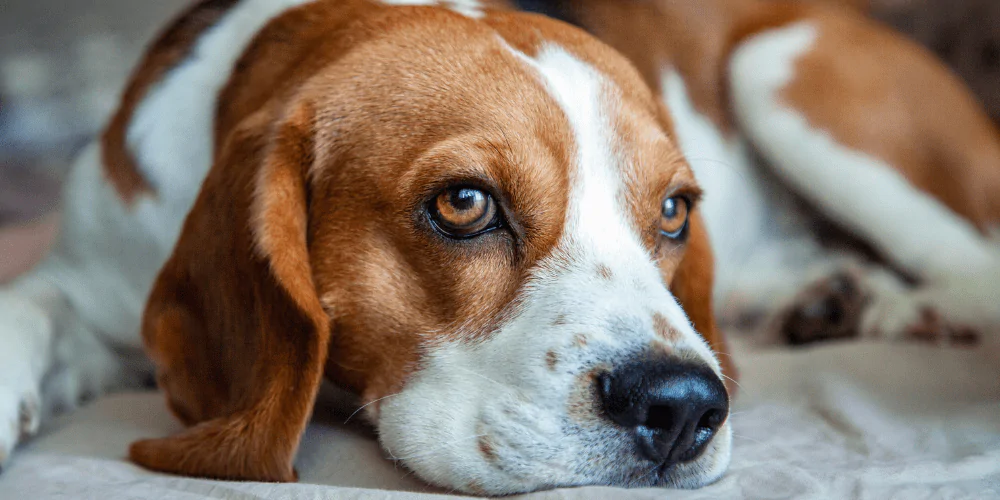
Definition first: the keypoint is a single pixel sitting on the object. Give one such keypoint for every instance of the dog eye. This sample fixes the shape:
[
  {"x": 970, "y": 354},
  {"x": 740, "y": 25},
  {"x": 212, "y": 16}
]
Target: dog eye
[
  {"x": 464, "y": 212},
  {"x": 674, "y": 217}
]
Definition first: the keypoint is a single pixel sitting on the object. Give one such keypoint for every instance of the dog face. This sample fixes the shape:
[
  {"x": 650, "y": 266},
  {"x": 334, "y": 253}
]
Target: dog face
[{"x": 482, "y": 233}]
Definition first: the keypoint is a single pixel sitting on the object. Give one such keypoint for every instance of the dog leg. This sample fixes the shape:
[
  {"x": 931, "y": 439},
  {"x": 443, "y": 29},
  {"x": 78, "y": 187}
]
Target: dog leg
[
  {"x": 69, "y": 328},
  {"x": 51, "y": 360},
  {"x": 26, "y": 331}
]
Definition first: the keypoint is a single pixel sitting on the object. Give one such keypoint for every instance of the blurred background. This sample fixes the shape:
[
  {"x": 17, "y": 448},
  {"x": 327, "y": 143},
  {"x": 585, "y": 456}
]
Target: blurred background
[{"x": 62, "y": 63}]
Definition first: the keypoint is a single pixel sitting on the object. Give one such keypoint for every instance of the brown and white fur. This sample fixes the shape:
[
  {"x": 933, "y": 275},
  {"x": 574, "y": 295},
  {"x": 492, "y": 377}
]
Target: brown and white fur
[
  {"x": 256, "y": 209},
  {"x": 260, "y": 193},
  {"x": 791, "y": 112}
]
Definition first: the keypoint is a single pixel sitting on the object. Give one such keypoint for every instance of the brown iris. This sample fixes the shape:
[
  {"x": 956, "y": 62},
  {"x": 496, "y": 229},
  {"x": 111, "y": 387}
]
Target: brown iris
[
  {"x": 464, "y": 212},
  {"x": 674, "y": 217}
]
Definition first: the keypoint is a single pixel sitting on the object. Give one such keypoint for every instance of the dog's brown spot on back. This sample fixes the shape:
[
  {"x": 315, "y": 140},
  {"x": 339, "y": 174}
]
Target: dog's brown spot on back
[{"x": 169, "y": 49}]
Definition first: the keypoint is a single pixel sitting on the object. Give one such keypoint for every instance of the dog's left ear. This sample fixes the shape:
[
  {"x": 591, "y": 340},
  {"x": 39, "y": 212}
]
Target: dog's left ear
[
  {"x": 233, "y": 323},
  {"x": 692, "y": 284}
]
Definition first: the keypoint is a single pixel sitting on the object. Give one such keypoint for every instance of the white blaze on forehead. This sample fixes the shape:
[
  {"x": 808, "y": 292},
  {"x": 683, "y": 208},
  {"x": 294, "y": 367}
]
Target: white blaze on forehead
[
  {"x": 469, "y": 8},
  {"x": 598, "y": 231},
  {"x": 596, "y": 221}
]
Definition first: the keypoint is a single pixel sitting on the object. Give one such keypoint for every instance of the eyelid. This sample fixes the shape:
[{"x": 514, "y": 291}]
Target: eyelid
[{"x": 692, "y": 194}]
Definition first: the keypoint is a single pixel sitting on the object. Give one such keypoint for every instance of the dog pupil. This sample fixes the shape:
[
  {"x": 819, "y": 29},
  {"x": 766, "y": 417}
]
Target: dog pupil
[
  {"x": 464, "y": 199},
  {"x": 670, "y": 208}
]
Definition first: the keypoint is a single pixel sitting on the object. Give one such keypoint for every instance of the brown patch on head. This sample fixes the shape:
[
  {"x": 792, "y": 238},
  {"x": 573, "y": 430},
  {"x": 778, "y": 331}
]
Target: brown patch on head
[{"x": 169, "y": 49}]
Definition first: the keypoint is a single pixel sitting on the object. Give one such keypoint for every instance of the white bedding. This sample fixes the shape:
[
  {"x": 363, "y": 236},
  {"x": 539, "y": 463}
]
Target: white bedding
[{"x": 840, "y": 421}]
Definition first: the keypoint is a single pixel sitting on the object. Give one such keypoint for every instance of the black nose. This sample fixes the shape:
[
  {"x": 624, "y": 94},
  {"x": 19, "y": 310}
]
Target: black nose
[{"x": 674, "y": 407}]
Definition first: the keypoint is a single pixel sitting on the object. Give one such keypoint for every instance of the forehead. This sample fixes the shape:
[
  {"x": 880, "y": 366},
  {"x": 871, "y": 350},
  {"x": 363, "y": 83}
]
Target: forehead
[{"x": 522, "y": 98}]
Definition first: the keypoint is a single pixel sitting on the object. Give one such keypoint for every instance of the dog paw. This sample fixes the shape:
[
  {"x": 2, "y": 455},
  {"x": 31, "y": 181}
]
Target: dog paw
[
  {"x": 830, "y": 309},
  {"x": 20, "y": 412},
  {"x": 926, "y": 316}
]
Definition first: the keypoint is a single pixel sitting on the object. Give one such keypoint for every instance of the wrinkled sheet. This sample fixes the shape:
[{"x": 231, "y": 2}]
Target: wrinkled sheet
[{"x": 854, "y": 420}]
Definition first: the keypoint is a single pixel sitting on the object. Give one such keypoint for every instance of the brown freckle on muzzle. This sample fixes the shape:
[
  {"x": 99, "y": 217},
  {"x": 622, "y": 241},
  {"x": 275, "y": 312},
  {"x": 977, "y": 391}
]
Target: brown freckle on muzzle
[
  {"x": 604, "y": 272},
  {"x": 560, "y": 320},
  {"x": 487, "y": 449},
  {"x": 663, "y": 328},
  {"x": 580, "y": 340},
  {"x": 551, "y": 359},
  {"x": 476, "y": 488},
  {"x": 584, "y": 397}
]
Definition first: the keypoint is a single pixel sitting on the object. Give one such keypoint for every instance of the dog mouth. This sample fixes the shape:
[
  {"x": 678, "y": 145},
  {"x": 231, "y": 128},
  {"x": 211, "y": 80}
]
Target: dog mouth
[{"x": 608, "y": 415}]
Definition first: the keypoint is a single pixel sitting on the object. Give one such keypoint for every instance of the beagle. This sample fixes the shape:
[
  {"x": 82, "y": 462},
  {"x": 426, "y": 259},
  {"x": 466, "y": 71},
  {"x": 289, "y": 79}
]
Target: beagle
[
  {"x": 491, "y": 227},
  {"x": 474, "y": 219}
]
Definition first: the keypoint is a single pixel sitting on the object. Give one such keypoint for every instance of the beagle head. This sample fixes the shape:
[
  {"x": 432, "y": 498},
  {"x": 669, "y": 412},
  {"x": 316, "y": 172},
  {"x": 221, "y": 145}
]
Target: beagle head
[{"x": 480, "y": 226}]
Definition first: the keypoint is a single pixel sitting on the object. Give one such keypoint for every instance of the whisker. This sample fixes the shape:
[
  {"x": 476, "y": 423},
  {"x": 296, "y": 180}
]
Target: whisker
[
  {"x": 480, "y": 375},
  {"x": 731, "y": 379},
  {"x": 740, "y": 436},
  {"x": 362, "y": 407},
  {"x": 653, "y": 472}
]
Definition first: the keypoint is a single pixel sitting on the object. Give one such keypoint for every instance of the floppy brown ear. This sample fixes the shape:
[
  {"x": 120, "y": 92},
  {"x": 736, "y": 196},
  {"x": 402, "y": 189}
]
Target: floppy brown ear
[
  {"x": 692, "y": 285},
  {"x": 233, "y": 323}
]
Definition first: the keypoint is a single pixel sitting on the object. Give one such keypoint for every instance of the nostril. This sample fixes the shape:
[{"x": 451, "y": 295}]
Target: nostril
[
  {"x": 705, "y": 431},
  {"x": 712, "y": 419},
  {"x": 661, "y": 417}
]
